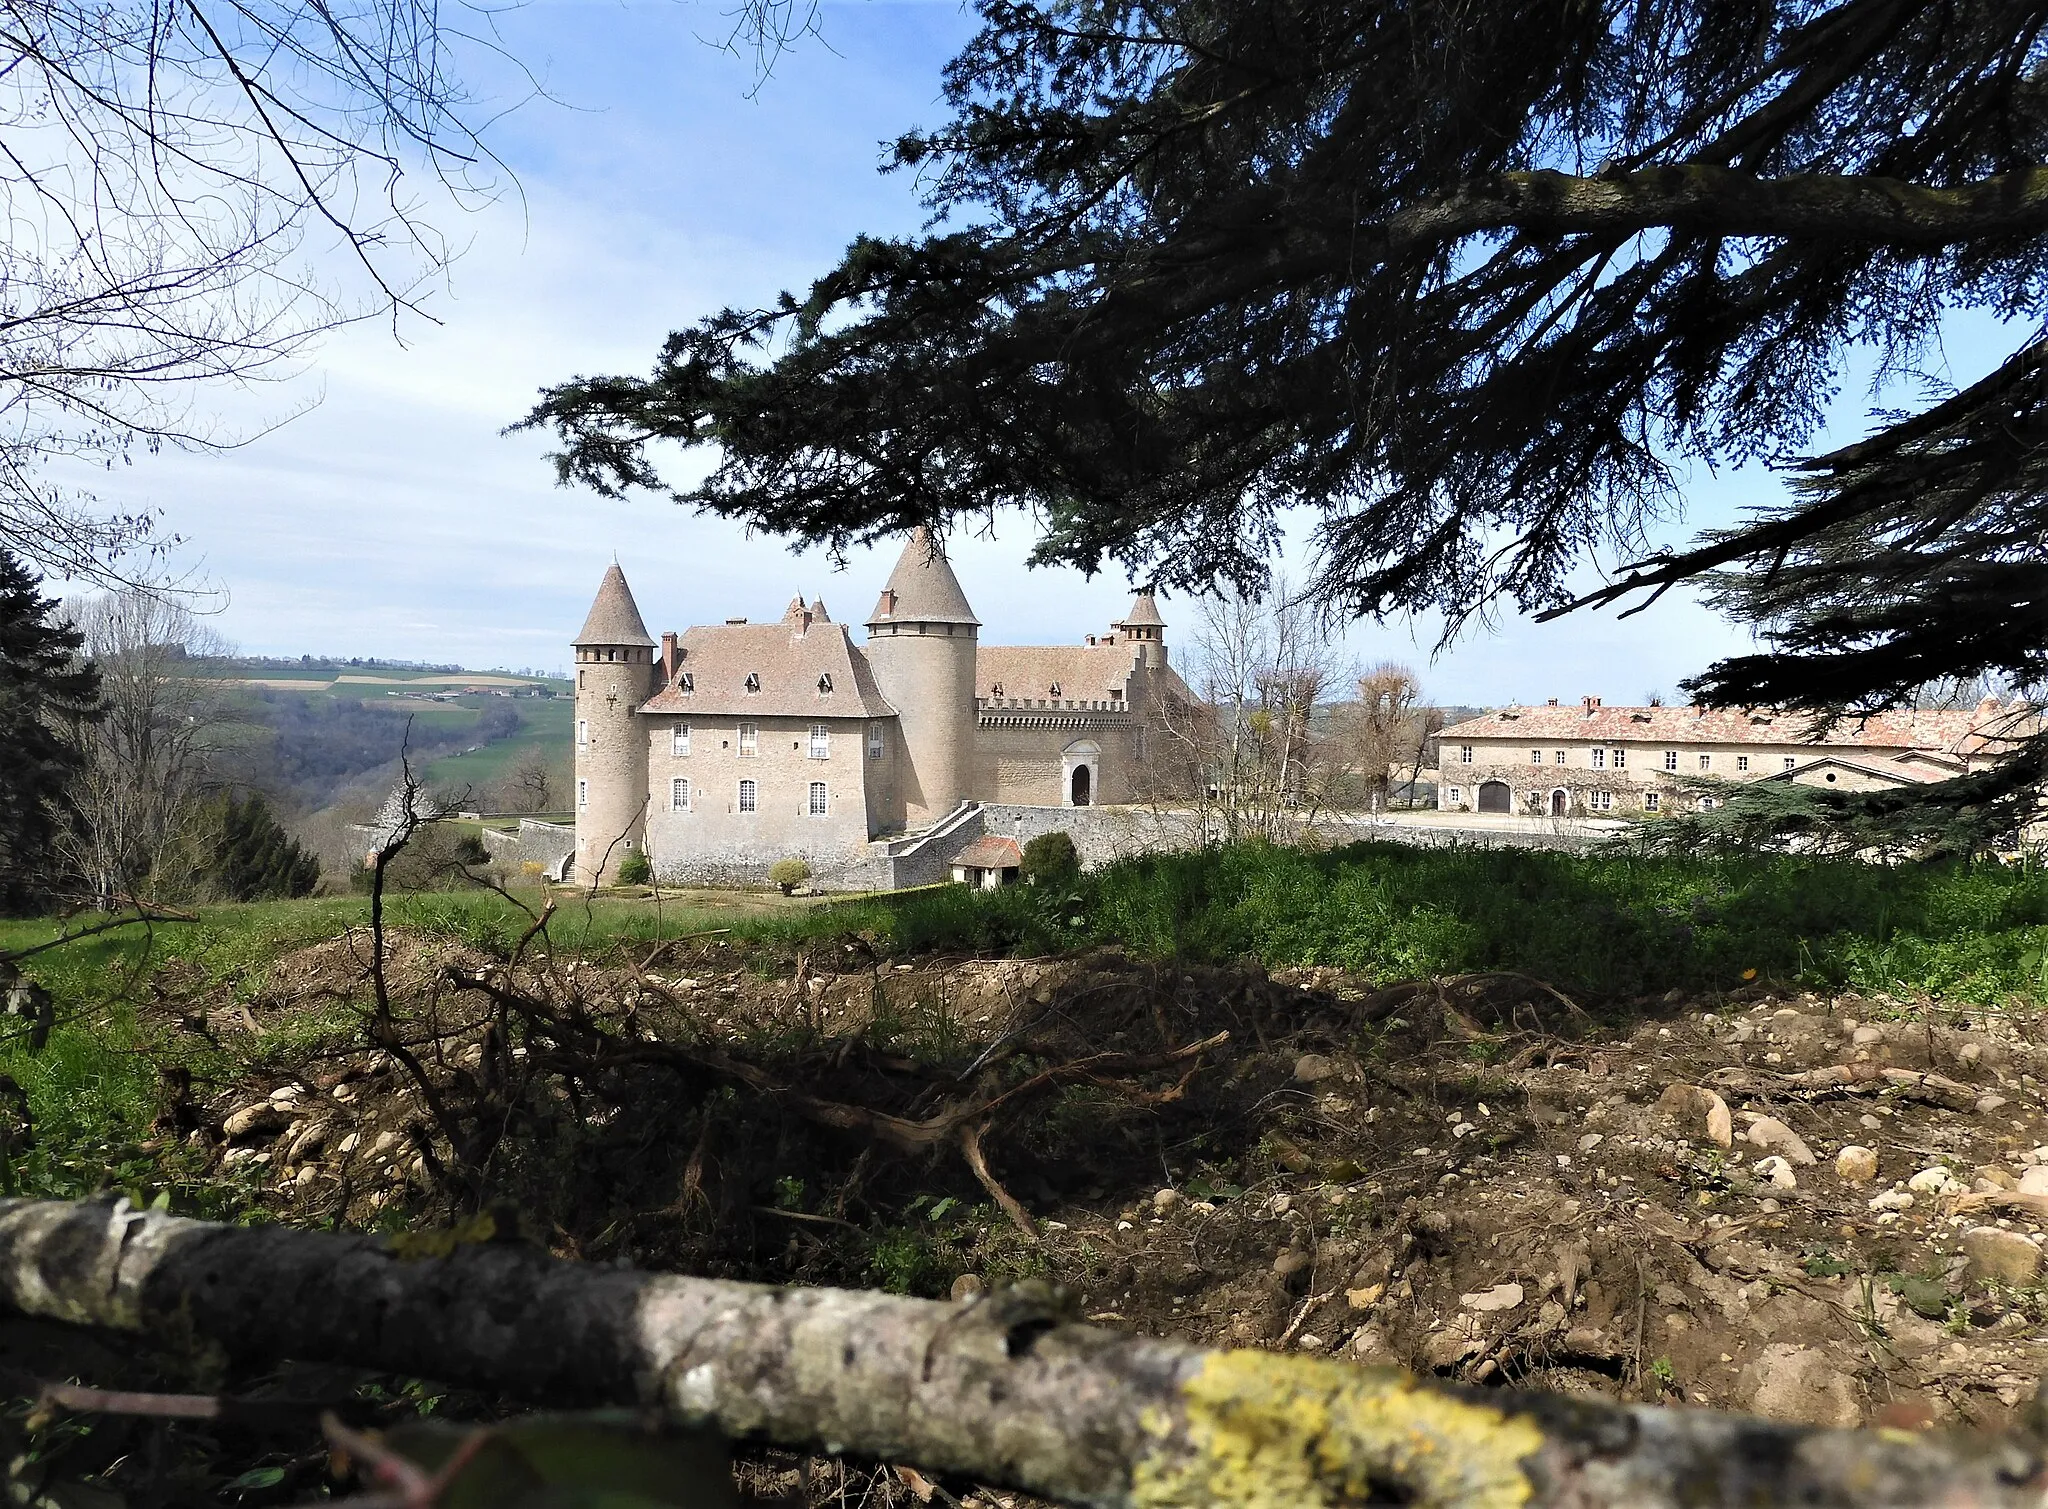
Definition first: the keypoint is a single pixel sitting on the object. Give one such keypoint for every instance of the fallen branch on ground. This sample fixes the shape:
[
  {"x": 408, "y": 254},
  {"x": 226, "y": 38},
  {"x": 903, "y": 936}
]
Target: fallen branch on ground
[
  {"x": 1857, "y": 1079},
  {"x": 1000, "y": 1388}
]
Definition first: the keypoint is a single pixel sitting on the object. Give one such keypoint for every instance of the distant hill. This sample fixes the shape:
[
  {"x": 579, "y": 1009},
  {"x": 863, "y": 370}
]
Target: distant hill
[{"x": 332, "y": 730}]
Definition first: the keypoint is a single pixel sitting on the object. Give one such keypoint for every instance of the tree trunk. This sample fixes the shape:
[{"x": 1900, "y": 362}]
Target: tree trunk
[{"x": 999, "y": 1388}]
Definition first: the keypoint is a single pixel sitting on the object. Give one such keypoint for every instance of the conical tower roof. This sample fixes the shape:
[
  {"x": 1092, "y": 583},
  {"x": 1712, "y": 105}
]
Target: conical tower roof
[
  {"x": 614, "y": 617},
  {"x": 1144, "y": 614},
  {"x": 922, "y": 588}
]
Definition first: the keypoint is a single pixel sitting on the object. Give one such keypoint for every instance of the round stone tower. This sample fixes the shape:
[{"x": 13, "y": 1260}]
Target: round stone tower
[
  {"x": 921, "y": 642},
  {"x": 614, "y": 675}
]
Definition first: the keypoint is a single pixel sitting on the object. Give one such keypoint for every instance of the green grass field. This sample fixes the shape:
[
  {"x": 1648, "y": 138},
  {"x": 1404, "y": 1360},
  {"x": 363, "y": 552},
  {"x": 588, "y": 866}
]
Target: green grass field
[{"x": 544, "y": 729}]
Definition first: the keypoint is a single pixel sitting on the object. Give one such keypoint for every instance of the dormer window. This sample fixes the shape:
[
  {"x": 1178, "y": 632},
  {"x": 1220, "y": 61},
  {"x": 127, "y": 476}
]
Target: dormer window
[
  {"x": 753, "y": 681},
  {"x": 687, "y": 682},
  {"x": 1054, "y": 689},
  {"x": 825, "y": 685},
  {"x": 996, "y": 690}
]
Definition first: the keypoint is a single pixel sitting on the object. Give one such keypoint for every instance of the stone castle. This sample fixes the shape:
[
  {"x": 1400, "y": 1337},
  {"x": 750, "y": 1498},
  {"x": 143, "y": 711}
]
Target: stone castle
[{"x": 719, "y": 750}]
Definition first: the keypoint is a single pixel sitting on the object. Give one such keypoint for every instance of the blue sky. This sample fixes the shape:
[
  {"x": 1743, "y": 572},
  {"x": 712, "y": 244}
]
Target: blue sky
[{"x": 392, "y": 518}]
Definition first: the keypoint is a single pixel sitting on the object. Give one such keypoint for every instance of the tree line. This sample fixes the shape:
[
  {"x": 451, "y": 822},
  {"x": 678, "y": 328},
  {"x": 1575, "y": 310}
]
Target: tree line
[{"x": 127, "y": 786}]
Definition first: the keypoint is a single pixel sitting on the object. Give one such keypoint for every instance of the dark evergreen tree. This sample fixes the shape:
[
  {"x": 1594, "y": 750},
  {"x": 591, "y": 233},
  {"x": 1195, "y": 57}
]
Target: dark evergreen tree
[
  {"x": 43, "y": 689},
  {"x": 1471, "y": 281},
  {"x": 255, "y": 859}
]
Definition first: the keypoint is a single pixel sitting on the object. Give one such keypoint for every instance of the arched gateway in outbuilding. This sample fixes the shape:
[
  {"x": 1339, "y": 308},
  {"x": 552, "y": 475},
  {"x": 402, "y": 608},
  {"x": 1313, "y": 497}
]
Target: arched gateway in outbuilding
[{"x": 1494, "y": 796}]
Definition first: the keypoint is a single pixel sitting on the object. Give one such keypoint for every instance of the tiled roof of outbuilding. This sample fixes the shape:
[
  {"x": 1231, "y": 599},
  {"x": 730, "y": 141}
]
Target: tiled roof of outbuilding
[
  {"x": 991, "y": 852},
  {"x": 1960, "y": 732},
  {"x": 922, "y": 588},
  {"x": 614, "y": 616},
  {"x": 789, "y": 660}
]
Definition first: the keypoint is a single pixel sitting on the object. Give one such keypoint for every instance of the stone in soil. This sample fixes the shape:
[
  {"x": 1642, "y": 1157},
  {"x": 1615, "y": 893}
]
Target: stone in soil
[{"x": 2006, "y": 1256}]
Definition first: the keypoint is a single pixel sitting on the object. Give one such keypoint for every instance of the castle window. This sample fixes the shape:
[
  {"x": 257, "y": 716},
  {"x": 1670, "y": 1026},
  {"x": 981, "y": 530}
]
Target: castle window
[
  {"x": 1670, "y": 759},
  {"x": 1651, "y": 801},
  {"x": 874, "y": 741},
  {"x": 753, "y": 681},
  {"x": 1464, "y": 754},
  {"x": 582, "y": 795},
  {"x": 821, "y": 742},
  {"x": 1621, "y": 759},
  {"x": 817, "y": 799},
  {"x": 747, "y": 796},
  {"x": 1708, "y": 804},
  {"x": 1599, "y": 759},
  {"x": 1742, "y": 762},
  {"x": 1535, "y": 757},
  {"x": 825, "y": 685},
  {"x": 1791, "y": 763},
  {"x": 679, "y": 740},
  {"x": 687, "y": 682},
  {"x": 750, "y": 740},
  {"x": 1560, "y": 757},
  {"x": 679, "y": 794},
  {"x": 1706, "y": 763},
  {"x": 1603, "y": 801},
  {"x": 582, "y": 732},
  {"x": 1456, "y": 795}
]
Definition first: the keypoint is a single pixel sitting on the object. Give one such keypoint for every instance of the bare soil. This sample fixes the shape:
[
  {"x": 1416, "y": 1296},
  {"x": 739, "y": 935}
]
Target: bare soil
[{"x": 1475, "y": 1178}]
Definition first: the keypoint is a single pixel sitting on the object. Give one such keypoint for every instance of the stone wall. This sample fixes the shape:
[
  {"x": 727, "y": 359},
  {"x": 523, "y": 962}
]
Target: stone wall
[
  {"x": 535, "y": 842},
  {"x": 710, "y": 841},
  {"x": 1101, "y": 835}
]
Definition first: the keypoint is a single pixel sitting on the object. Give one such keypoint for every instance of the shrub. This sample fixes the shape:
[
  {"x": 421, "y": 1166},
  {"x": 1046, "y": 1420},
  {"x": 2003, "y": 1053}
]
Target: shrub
[
  {"x": 1050, "y": 859},
  {"x": 254, "y": 859},
  {"x": 635, "y": 869},
  {"x": 789, "y": 873}
]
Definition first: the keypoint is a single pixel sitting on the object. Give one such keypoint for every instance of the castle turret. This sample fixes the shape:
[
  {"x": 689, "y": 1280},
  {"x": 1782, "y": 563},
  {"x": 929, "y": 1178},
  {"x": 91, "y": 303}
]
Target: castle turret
[
  {"x": 615, "y": 673},
  {"x": 1144, "y": 627},
  {"x": 922, "y": 639}
]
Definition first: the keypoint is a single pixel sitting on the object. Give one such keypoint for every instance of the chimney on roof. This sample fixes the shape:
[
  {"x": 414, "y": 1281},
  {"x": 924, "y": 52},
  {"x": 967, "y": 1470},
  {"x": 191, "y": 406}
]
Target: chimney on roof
[
  {"x": 1590, "y": 705},
  {"x": 670, "y": 659},
  {"x": 1551, "y": 703}
]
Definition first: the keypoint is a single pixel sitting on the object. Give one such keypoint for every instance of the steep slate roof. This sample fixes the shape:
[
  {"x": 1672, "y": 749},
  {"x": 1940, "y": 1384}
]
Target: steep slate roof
[
  {"x": 991, "y": 852},
  {"x": 922, "y": 588},
  {"x": 1961, "y": 732},
  {"x": 789, "y": 657},
  {"x": 1085, "y": 672},
  {"x": 614, "y": 616},
  {"x": 1144, "y": 614}
]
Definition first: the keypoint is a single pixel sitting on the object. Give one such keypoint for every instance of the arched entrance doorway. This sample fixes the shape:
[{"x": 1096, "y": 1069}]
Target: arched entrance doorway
[
  {"x": 1494, "y": 796},
  {"x": 1079, "y": 773},
  {"x": 1560, "y": 802}
]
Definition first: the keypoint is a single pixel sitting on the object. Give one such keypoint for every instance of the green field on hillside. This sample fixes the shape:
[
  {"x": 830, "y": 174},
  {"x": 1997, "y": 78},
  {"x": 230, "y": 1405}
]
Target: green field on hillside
[{"x": 544, "y": 729}]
